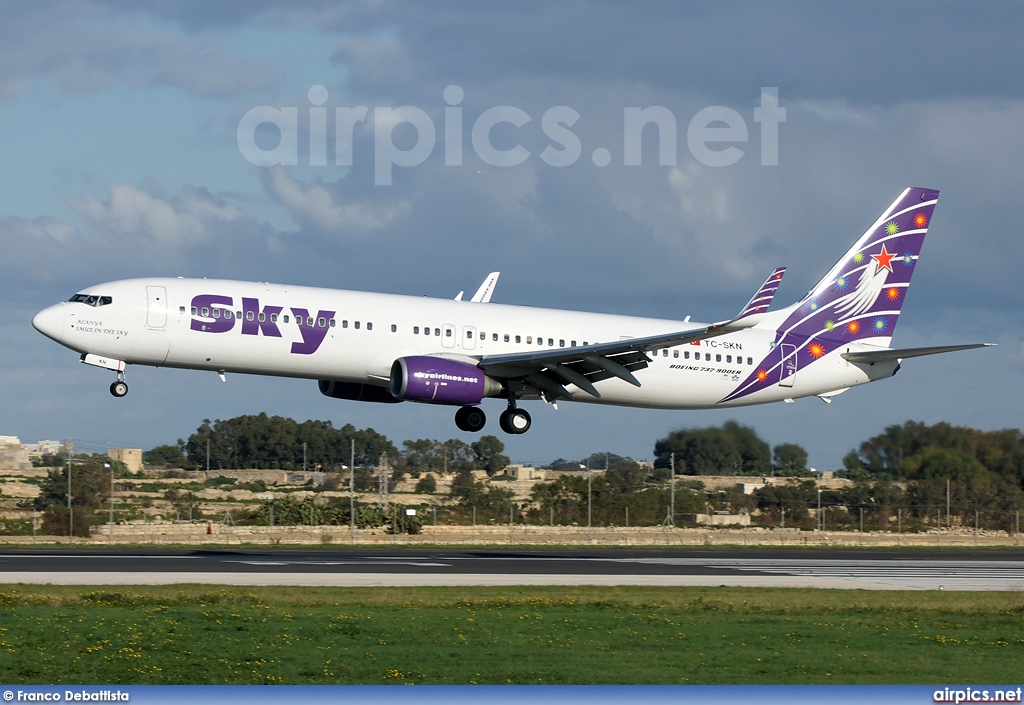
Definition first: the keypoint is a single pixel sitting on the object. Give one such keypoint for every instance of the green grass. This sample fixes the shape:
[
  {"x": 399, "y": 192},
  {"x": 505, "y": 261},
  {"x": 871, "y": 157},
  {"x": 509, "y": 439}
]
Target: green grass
[{"x": 194, "y": 634}]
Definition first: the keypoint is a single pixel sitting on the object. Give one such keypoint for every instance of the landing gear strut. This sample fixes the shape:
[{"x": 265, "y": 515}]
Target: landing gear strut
[
  {"x": 514, "y": 420},
  {"x": 470, "y": 418},
  {"x": 119, "y": 387}
]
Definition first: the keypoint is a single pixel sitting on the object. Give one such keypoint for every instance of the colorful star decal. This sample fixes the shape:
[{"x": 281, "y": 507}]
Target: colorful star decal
[
  {"x": 920, "y": 220},
  {"x": 813, "y": 306},
  {"x": 816, "y": 350},
  {"x": 892, "y": 293},
  {"x": 842, "y": 282},
  {"x": 762, "y": 375},
  {"x": 830, "y": 326},
  {"x": 880, "y": 324},
  {"x": 907, "y": 259},
  {"x": 883, "y": 260},
  {"x": 891, "y": 227},
  {"x": 853, "y": 327},
  {"x": 859, "y": 257}
]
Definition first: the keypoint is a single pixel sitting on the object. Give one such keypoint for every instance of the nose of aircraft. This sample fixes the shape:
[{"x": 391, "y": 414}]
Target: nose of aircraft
[{"x": 50, "y": 322}]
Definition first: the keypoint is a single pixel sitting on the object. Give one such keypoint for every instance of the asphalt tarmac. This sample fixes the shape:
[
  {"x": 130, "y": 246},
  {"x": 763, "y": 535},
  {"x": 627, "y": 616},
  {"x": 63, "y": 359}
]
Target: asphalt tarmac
[{"x": 873, "y": 569}]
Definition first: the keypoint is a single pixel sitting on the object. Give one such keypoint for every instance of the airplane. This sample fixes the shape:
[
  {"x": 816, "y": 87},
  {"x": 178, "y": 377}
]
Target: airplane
[{"x": 388, "y": 348}]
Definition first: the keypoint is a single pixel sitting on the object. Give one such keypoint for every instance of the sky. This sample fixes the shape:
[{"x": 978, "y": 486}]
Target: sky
[{"x": 128, "y": 151}]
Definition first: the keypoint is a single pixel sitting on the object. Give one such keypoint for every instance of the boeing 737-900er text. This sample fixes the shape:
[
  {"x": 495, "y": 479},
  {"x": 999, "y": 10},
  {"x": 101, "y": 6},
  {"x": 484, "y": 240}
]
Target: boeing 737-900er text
[{"x": 388, "y": 348}]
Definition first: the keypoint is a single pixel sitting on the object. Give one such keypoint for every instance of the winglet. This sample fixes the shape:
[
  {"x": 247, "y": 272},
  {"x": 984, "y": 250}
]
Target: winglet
[
  {"x": 483, "y": 294},
  {"x": 760, "y": 302}
]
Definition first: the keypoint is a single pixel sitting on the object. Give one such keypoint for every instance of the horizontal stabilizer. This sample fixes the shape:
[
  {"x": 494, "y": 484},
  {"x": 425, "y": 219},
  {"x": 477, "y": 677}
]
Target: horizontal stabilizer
[{"x": 887, "y": 355}]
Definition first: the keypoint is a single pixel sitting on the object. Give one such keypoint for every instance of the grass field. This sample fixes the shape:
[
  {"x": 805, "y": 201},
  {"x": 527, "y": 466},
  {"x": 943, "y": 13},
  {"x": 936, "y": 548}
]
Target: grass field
[{"x": 195, "y": 634}]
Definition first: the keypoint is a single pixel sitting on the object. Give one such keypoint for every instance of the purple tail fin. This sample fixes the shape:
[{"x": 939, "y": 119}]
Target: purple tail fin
[{"x": 860, "y": 298}]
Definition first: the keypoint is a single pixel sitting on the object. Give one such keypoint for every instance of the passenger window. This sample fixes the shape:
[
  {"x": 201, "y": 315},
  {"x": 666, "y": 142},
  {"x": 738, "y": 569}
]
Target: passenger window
[
  {"x": 321, "y": 322},
  {"x": 664, "y": 353},
  {"x": 273, "y": 318},
  {"x": 519, "y": 338},
  {"x": 437, "y": 331},
  {"x": 356, "y": 325},
  {"x": 529, "y": 340},
  {"x": 447, "y": 332},
  {"x": 572, "y": 343},
  {"x": 483, "y": 336},
  {"x": 238, "y": 315},
  {"x": 506, "y": 337},
  {"x": 707, "y": 357},
  {"x": 216, "y": 313},
  {"x": 181, "y": 309},
  {"x": 675, "y": 353},
  {"x": 728, "y": 358},
  {"x": 561, "y": 343},
  {"x": 227, "y": 315},
  {"x": 369, "y": 325},
  {"x": 551, "y": 342},
  {"x": 262, "y": 317},
  {"x": 494, "y": 337},
  {"x": 469, "y": 335},
  {"x": 285, "y": 319},
  {"x": 686, "y": 354},
  {"x": 194, "y": 312},
  {"x": 750, "y": 361},
  {"x": 206, "y": 312},
  {"x": 249, "y": 316},
  {"x": 332, "y": 322},
  {"x": 718, "y": 358},
  {"x": 585, "y": 343},
  {"x": 344, "y": 322},
  {"x": 394, "y": 328},
  {"x": 415, "y": 330}
]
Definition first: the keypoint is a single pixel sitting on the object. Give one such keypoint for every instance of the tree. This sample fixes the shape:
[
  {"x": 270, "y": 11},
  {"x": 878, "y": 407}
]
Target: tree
[
  {"x": 426, "y": 485},
  {"x": 90, "y": 487},
  {"x": 789, "y": 459},
  {"x": 729, "y": 450},
  {"x": 488, "y": 454},
  {"x": 167, "y": 456}
]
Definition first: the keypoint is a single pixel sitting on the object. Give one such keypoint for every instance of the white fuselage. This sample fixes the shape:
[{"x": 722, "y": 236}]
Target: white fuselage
[{"x": 356, "y": 336}]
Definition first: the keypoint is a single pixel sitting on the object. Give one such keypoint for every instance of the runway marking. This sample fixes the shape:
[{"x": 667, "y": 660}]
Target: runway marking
[{"x": 418, "y": 564}]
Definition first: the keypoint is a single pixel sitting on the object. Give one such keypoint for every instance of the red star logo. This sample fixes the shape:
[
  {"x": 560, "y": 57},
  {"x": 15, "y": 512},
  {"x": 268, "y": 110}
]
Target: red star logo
[{"x": 883, "y": 260}]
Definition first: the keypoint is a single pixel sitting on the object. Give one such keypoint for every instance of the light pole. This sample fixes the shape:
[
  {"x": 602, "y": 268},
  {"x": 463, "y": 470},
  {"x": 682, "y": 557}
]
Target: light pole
[
  {"x": 352, "y": 491},
  {"x": 587, "y": 466},
  {"x": 71, "y": 512},
  {"x": 820, "y": 526},
  {"x": 672, "y": 491},
  {"x": 108, "y": 465}
]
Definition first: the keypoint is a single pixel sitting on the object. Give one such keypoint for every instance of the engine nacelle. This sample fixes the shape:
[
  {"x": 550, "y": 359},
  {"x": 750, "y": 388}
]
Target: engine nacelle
[
  {"x": 438, "y": 380},
  {"x": 356, "y": 392}
]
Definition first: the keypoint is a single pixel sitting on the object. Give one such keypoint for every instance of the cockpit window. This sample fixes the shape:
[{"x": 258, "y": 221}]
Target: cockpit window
[{"x": 92, "y": 300}]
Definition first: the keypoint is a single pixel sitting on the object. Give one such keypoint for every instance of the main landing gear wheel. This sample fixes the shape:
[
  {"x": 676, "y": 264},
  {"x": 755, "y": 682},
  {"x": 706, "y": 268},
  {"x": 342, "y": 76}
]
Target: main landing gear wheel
[
  {"x": 119, "y": 388},
  {"x": 470, "y": 418},
  {"x": 515, "y": 421}
]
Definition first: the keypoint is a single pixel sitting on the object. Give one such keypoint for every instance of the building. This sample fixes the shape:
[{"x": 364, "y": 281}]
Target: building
[
  {"x": 131, "y": 457},
  {"x": 13, "y": 455},
  {"x": 525, "y": 472}
]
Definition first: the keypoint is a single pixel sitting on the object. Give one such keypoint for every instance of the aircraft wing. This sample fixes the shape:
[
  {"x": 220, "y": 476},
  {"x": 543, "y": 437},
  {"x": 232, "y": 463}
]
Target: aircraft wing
[
  {"x": 870, "y": 356},
  {"x": 550, "y": 370}
]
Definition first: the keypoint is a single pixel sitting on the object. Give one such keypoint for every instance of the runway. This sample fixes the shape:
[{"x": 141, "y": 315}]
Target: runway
[{"x": 866, "y": 570}]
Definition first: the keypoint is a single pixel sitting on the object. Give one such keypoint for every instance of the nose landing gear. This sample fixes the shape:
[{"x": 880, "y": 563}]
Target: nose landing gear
[{"x": 119, "y": 387}]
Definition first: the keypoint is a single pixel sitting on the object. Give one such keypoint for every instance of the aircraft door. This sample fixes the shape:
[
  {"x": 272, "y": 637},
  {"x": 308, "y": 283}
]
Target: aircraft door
[
  {"x": 788, "y": 365},
  {"x": 448, "y": 335},
  {"x": 156, "y": 308},
  {"x": 469, "y": 337}
]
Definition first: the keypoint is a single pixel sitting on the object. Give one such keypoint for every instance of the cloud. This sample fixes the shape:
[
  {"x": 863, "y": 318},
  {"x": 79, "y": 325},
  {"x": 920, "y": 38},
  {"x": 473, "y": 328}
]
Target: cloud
[
  {"x": 317, "y": 206},
  {"x": 86, "y": 47}
]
